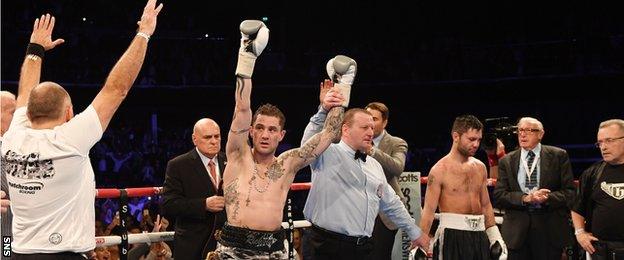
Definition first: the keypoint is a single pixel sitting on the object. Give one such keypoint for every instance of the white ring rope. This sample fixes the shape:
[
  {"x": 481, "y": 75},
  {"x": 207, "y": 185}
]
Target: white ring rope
[
  {"x": 135, "y": 238},
  {"x": 298, "y": 224},
  {"x": 168, "y": 236},
  {"x": 305, "y": 223}
]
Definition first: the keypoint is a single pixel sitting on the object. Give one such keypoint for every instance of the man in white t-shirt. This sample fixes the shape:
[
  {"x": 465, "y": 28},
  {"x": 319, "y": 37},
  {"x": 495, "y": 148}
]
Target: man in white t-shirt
[{"x": 45, "y": 155}]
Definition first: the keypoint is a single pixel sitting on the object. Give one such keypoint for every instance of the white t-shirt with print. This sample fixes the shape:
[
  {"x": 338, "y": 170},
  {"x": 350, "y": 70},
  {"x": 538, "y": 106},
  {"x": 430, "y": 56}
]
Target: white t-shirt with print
[{"x": 51, "y": 183}]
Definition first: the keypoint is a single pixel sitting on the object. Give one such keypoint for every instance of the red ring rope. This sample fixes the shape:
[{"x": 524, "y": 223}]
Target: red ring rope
[
  {"x": 132, "y": 192},
  {"x": 149, "y": 191}
]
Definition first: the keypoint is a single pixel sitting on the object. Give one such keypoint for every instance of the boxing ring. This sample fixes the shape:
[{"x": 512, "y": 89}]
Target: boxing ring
[{"x": 125, "y": 239}]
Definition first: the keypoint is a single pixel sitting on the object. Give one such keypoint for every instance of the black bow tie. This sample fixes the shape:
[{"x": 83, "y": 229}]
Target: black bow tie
[{"x": 360, "y": 155}]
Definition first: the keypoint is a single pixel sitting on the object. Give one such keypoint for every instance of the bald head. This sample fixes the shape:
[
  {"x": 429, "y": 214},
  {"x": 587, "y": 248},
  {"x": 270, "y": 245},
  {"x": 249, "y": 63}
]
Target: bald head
[
  {"x": 6, "y": 95},
  {"x": 207, "y": 137},
  {"x": 7, "y": 100},
  {"x": 48, "y": 102},
  {"x": 203, "y": 123}
]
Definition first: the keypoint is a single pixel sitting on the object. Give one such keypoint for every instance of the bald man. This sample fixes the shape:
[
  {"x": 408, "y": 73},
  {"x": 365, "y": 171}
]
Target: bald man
[
  {"x": 45, "y": 153},
  {"x": 193, "y": 194},
  {"x": 7, "y": 101}
]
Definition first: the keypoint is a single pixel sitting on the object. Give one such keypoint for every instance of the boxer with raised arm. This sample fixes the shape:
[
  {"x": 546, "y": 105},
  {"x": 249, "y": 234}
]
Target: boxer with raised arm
[{"x": 256, "y": 182}]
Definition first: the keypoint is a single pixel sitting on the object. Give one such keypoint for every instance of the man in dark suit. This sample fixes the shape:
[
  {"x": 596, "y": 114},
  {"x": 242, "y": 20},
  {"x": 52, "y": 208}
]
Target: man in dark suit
[
  {"x": 192, "y": 193},
  {"x": 535, "y": 187},
  {"x": 390, "y": 152}
]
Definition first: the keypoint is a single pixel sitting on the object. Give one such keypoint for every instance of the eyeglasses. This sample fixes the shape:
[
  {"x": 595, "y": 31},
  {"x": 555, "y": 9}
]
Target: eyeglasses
[
  {"x": 528, "y": 130},
  {"x": 607, "y": 141}
]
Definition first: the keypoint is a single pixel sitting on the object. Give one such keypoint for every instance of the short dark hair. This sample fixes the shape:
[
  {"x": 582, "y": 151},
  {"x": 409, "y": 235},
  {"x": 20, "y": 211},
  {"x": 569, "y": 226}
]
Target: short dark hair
[
  {"x": 350, "y": 114},
  {"x": 381, "y": 107},
  {"x": 465, "y": 122},
  {"x": 46, "y": 102},
  {"x": 270, "y": 110}
]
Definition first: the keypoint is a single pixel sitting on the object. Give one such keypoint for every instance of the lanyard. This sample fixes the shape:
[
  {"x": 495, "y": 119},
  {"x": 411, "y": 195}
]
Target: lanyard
[{"x": 526, "y": 165}]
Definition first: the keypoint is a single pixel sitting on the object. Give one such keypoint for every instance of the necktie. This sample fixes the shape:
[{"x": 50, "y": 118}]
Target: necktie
[
  {"x": 360, "y": 155},
  {"x": 531, "y": 180},
  {"x": 213, "y": 172}
]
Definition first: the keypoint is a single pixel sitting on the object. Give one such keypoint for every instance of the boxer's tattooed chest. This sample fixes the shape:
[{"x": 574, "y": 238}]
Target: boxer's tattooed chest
[
  {"x": 232, "y": 194},
  {"x": 261, "y": 180},
  {"x": 275, "y": 170}
]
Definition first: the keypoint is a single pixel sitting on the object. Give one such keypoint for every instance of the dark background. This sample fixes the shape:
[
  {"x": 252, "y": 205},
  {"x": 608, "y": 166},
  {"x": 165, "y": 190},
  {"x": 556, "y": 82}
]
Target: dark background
[{"x": 429, "y": 61}]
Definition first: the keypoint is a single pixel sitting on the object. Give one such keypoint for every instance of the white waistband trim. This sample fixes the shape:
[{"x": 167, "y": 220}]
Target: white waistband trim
[{"x": 462, "y": 221}]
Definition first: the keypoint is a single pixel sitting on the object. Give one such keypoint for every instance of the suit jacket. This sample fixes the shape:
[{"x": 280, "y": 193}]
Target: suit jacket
[
  {"x": 555, "y": 175},
  {"x": 391, "y": 153},
  {"x": 187, "y": 185}
]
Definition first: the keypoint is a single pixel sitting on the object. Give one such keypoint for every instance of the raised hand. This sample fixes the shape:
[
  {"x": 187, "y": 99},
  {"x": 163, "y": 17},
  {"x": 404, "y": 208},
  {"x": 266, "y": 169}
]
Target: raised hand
[
  {"x": 147, "y": 24},
  {"x": 42, "y": 32},
  {"x": 333, "y": 98},
  {"x": 326, "y": 85},
  {"x": 157, "y": 224},
  {"x": 156, "y": 227}
]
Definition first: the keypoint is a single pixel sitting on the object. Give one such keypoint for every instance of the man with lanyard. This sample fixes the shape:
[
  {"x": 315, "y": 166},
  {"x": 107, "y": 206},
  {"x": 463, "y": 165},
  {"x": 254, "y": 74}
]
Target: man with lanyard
[{"x": 535, "y": 186}]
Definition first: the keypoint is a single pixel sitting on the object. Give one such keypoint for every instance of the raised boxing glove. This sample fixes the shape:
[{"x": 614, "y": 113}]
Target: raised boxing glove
[
  {"x": 341, "y": 70},
  {"x": 254, "y": 38}
]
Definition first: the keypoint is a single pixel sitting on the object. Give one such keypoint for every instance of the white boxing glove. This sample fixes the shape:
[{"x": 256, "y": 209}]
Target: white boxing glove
[
  {"x": 341, "y": 70},
  {"x": 254, "y": 38},
  {"x": 494, "y": 236}
]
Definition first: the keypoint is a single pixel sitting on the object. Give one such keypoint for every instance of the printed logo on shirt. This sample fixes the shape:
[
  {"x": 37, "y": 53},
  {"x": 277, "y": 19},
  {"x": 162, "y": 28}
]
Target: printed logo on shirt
[
  {"x": 55, "y": 238},
  {"x": 615, "y": 190},
  {"x": 27, "y": 187},
  {"x": 27, "y": 166}
]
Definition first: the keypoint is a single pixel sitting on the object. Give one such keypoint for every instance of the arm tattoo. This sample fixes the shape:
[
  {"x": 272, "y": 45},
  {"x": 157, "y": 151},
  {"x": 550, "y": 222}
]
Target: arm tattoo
[
  {"x": 430, "y": 180},
  {"x": 238, "y": 93},
  {"x": 241, "y": 131},
  {"x": 240, "y": 86},
  {"x": 238, "y": 96},
  {"x": 231, "y": 196},
  {"x": 305, "y": 152},
  {"x": 334, "y": 121}
]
